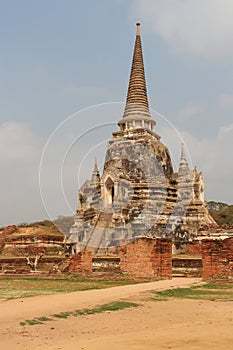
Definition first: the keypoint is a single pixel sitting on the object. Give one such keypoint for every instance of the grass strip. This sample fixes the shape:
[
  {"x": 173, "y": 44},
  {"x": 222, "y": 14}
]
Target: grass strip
[
  {"x": 212, "y": 285},
  {"x": 205, "y": 292},
  {"x": 114, "y": 306},
  {"x": 23, "y": 287}
]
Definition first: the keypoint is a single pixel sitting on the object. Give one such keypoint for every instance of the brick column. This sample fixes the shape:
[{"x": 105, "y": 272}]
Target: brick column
[
  {"x": 217, "y": 258},
  {"x": 147, "y": 257},
  {"x": 80, "y": 262}
]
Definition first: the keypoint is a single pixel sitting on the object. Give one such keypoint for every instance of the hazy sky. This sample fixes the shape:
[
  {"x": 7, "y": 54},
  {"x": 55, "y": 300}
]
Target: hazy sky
[{"x": 61, "y": 56}]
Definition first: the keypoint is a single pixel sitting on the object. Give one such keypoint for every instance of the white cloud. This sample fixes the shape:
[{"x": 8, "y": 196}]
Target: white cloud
[
  {"x": 189, "y": 111},
  {"x": 211, "y": 155},
  {"x": 20, "y": 150},
  {"x": 20, "y": 153},
  {"x": 200, "y": 27},
  {"x": 226, "y": 100},
  {"x": 17, "y": 143},
  {"x": 225, "y": 137}
]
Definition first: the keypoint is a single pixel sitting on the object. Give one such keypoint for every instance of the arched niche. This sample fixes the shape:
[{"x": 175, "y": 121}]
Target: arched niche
[
  {"x": 80, "y": 199},
  {"x": 109, "y": 191}
]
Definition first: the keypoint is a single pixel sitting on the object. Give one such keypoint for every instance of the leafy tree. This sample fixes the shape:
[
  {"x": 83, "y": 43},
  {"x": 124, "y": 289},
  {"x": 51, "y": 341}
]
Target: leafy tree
[{"x": 221, "y": 212}]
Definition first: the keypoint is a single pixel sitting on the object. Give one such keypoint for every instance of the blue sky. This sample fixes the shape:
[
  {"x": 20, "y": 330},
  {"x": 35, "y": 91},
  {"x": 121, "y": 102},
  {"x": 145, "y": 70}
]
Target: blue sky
[{"x": 58, "y": 57}]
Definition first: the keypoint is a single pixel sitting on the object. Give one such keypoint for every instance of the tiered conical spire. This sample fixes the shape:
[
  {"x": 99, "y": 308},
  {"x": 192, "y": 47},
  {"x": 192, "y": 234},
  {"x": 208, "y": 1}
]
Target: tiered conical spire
[
  {"x": 183, "y": 166},
  {"x": 137, "y": 106},
  {"x": 95, "y": 174},
  {"x": 95, "y": 170},
  {"x": 137, "y": 92}
]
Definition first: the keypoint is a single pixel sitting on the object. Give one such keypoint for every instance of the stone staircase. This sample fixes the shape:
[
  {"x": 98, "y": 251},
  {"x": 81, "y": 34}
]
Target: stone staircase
[
  {"x": 99, "y": 235},
  {"x": 104, "y": 219}
]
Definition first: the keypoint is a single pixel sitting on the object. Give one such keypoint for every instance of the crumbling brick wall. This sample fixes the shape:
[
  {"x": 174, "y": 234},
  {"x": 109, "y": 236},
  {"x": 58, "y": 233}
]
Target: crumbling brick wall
[
  {"x": 80, "y": 262},
  {"x": 7, "y": 230},
  {"x": 147, "y": 257},
  {"x": 217, "y": 258},
  {"x": 194, "y": 248},
  {"x": 10, "y": 229}
]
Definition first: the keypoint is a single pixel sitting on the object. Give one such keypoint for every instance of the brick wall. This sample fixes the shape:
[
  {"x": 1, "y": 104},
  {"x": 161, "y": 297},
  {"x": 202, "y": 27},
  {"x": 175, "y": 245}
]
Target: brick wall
[
  {"x": 217, "y": 258},
  {"x": 147, "y": 257},
  {"x": 189, "y": 263},
  {"x": 20, "y": 265},
  {"x": 80, "y": 262},
  {"x": 194, "y": 248},
  {"x": 7, "y": 230},
  {"x": 10, "y": 229}
]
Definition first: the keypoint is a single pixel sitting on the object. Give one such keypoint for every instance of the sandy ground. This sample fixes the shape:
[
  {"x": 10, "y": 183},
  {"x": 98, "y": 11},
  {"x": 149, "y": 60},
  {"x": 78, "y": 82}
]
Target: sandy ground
[{"x": 174, "y": 324}]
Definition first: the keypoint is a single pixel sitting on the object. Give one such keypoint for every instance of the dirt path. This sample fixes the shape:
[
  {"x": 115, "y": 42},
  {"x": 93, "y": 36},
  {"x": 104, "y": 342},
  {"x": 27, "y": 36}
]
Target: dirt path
[
  {"x": 14, "y": 311},
  {"x": 174, "y": 324}
]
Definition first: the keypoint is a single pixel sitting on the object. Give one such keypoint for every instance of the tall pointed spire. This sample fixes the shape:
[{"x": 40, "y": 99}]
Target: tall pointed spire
[
  {"x": 95, "y": 170},
  {"x": 95, "y": 174},
  {"x": 137, "y": 106},
  {"x": 137, "y": 92},
  {"x": 183, "y": 166}
]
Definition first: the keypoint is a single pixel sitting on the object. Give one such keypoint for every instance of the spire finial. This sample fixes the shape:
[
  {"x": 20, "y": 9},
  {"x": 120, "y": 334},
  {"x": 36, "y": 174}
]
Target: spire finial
[
  {"x": 138, "y": 28},
  {"x": 182, "y": 151},
  {"x": 183, "y": 166},
  {"x": 137, "y": 106},
  {"x": 95, "y": 170},
  {"x": 95, "y": 174}
]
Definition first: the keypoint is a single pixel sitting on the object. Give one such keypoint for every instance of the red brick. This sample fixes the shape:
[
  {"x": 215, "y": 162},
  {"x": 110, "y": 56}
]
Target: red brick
[
  {"x": 80, "y": 262},
  {"x": 147, "y": 257},
  {"x": 194, "y": 248},
  {"x": 217, "y": 258}
]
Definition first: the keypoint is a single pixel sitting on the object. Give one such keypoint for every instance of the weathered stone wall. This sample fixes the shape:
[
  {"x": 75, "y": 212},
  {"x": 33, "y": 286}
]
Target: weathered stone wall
[
  {"x": 80, "y": 262},
  {"x": 31, "y": 241},
  {"x": 147, "y": 257},
  {"x": 217, "y": 258},
  {"x": 25, "y": 248},
  {"x": 20, "y": 264},
  {"x": 106, "y": 264}
]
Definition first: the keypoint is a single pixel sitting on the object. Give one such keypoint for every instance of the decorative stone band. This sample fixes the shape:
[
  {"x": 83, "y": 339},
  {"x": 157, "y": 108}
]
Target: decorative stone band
[
  {"x": 136, "y": 111},
  {"x": 136, "y": 116}
]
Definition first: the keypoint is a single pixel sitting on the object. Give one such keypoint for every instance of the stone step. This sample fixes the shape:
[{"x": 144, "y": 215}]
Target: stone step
[
  {"x": 104, "y": 220},
  {"x": 97, "y": 236},
  {"x": 100, "y": 238}
]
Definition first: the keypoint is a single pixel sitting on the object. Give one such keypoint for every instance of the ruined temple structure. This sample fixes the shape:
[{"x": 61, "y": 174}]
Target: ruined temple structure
[
  {"x": 138, "y": 193},
  {"x": 31, "y": 248}
]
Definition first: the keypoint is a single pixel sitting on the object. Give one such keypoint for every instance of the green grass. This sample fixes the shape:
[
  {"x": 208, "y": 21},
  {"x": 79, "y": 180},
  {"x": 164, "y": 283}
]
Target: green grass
[
  {"x": 30, "y": 322},
  {"x": 63, "y": 314},
  {"x": 38, "y": 320},
  {"x": 43, "y": 319},
  {"x": 212, "y": 285},
  {"x": 208, "y": 291},
  {"x": 114, "y": 306},
  {"x": 28, "y": 287}
]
